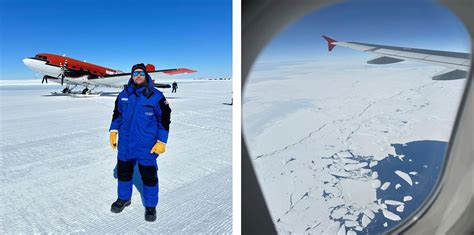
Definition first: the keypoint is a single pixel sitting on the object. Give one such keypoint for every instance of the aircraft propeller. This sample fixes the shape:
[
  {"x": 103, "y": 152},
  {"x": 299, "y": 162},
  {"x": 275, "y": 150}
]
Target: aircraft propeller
[{"x": 63, "y": 69}]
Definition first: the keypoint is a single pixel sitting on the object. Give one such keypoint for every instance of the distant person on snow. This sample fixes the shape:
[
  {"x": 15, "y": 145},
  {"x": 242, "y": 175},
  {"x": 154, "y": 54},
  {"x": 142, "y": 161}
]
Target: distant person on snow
[
  {"x": 140, "y": 122},
  {"x": 175, "y": 87}
]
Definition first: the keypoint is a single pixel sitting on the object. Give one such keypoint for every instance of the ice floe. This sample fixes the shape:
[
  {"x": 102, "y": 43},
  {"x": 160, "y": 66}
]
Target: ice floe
[
  {"x": 397, "y": 186},
  {"x": 390, "y": 215},
  {"x": 373, "y": 163},
  {"x": 400, "y": 208},
  {"x": 393, "y": 202},
  {"x": 385, "y": 185},
  {"x": 342, "y": 230},
  {"x": 349, "y": 217},
  {"x": 351, "y": 167},
  {"x": 344, "y": 154},
  {"x": 357, "y": 193},
  {"x": 338, "y": 213},
  {"x": 369, "y": 213},
  {"x": 351, "y": 223},
  {"x": 349, "y": 161},
  {"x": 404, "y": 176},
  {"x": 351, "y": 232},
  {"x": 407, "y": 198},
  {"x": 341, "y": 174},
  {"x": 365, "y": 220},
  {"x": 376, "y": 183},
  {"x": 375, "y": 175}
]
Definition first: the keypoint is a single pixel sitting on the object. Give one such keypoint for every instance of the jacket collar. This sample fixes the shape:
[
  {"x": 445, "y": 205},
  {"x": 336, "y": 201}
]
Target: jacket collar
[{"x": 145, "y": 90}]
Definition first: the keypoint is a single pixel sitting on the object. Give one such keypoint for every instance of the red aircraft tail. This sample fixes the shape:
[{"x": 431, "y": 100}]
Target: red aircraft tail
[
  {"x": 150, "y": 68},
  {"x": 330, "y": 42}
]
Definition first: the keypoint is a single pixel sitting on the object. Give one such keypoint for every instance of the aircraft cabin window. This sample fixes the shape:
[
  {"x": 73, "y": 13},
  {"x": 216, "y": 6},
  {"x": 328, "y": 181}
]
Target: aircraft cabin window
[{"x": 347, "y": 132}]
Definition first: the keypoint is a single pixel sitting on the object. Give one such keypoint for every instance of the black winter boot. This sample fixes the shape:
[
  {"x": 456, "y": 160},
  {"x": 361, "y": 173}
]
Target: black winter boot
[
  {"x": 150, "y": 214},
  {"x": 119, "y": 205}
]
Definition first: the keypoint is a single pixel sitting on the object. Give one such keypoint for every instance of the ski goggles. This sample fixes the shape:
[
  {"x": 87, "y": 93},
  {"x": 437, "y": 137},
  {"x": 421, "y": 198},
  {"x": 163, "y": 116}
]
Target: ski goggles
[{"x": 136, "y": 73}]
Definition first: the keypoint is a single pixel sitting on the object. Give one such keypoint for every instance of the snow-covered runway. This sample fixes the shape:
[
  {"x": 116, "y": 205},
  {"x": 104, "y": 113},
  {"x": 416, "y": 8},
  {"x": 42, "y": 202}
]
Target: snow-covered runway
[{"x": 57, "y": 168}]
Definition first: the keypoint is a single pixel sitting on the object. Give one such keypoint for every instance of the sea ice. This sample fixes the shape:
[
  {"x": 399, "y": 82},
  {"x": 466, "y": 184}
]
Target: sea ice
[
  {"x": 351, "y": 167},
  {"x": 342, "y": 230},
  {"x": 404, "y": 176},
  {"x": 397, "y": 186},
  {"x": 357, "y": 193},
  {"x": 400, "y": 208},
  {"x": 365, "y": 221},
  {"x": 375, "y": 183},
  {"x": 385, "y": 186},
  {"x": 351, "y": 223},
  {"x": 340, "y": 174},
  {"x": 369, "y": 213},
  {"x": 332, "y": 228},
  {"x": 349, "y": 161},
  {"x": 401, "y": 157},
  {"x": 344, "y": 155},
  {"x": 349, "y": 217},
  {"x": 338, "y": 213},
  {"x": 373, "y": 163},
  {"x": 375, "y": 175},
  {"x": 385, "y": 224},
  {"x": 407, "y": 198},
  {"x": 393, "y": 202},
  {"x": 390, "y": 215},
  {"x": 351, "y": 232}
]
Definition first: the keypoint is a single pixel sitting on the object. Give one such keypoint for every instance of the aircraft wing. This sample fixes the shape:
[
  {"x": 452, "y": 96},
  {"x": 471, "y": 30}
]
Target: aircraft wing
[
  {"x": 118, "y": 80},
  {"x": 457, "y": 63}
]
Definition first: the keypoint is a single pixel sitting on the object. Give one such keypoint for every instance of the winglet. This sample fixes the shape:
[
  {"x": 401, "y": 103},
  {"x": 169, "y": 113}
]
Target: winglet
[{"x": 331, "y": 42}]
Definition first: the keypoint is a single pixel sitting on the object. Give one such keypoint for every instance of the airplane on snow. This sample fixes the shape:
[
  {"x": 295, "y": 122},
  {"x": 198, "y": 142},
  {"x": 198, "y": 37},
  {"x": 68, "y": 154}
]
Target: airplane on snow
[
  {"x": 62, "y": 69},
  {"x": 456, "y": 63}
]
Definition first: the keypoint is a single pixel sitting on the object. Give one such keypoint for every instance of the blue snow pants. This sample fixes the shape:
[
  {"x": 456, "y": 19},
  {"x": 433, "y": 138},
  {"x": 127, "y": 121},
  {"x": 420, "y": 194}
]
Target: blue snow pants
[{"x": 149, "y": 172}]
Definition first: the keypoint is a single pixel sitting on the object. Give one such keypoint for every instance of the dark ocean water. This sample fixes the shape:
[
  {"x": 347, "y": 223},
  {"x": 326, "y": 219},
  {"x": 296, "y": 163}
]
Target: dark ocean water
[{"x": 427, "y": 159}]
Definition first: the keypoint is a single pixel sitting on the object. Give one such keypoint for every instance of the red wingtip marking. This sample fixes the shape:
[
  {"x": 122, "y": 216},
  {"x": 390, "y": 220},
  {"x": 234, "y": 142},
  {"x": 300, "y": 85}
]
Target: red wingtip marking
[
  {"x": 330, "y": 42},
  {"x": 179, "y": 71}
]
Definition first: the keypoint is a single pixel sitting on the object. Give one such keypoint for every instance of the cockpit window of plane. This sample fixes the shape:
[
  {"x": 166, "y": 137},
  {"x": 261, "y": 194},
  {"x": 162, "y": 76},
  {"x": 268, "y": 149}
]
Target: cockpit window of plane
[{"x": 352, "y": 140}]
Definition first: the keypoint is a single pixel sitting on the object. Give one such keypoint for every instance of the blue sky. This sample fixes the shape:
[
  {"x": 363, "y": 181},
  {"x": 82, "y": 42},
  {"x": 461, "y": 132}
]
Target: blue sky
[
  {"x": 118, "y": 34},
  {"x": 416, "y": 23}
]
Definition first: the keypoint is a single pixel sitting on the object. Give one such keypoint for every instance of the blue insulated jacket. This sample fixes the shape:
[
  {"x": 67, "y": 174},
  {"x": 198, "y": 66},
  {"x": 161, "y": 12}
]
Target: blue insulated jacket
[{"x": 141, "y": 117}]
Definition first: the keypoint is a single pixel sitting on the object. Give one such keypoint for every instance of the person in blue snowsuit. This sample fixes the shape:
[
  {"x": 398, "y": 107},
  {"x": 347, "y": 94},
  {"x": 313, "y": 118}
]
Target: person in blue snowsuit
[{"x": 140, "y": 122}]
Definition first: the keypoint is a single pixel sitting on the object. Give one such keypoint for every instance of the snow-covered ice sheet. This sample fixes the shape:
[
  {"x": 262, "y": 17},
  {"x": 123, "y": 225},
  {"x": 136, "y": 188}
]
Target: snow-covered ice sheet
[
  {"x": 349, "y": 127},
  {"x": 57, "y": 171}
]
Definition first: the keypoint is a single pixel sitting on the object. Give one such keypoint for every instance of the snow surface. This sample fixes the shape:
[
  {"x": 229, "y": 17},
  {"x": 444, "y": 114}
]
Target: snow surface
[
  {"x": 338, "y": 121},
  {"x": 57, "y": 168}
]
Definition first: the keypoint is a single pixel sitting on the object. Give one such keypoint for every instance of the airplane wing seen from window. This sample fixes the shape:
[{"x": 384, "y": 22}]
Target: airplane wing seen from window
[{"x": 457, "y": 63}]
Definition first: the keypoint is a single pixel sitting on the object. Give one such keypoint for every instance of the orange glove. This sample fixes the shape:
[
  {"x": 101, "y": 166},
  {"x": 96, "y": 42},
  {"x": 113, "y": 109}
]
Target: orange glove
[
  {"x": 113, "y": 139},
  {"x": 158, "y": 148}
]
